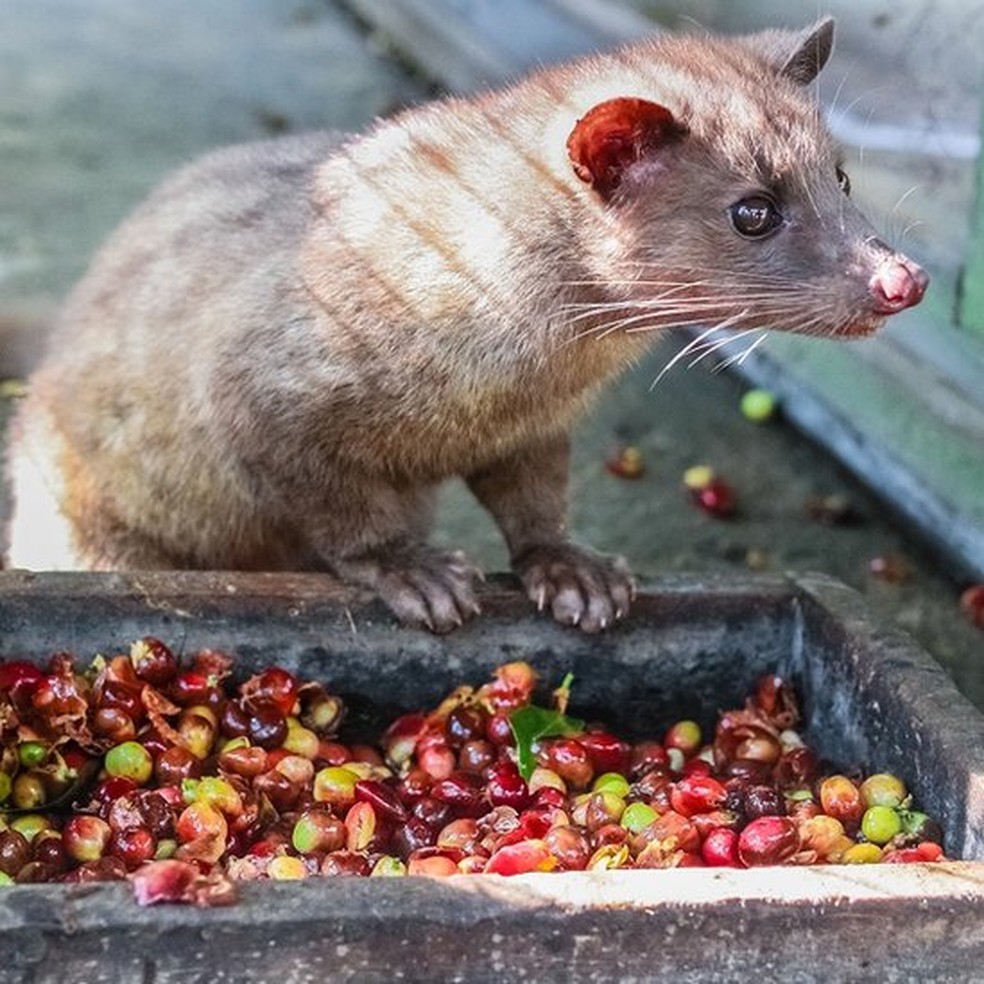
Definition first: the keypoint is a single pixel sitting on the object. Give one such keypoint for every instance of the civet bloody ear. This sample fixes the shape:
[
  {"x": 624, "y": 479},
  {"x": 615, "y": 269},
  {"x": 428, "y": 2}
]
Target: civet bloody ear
[{"x": 616, "y": 134}]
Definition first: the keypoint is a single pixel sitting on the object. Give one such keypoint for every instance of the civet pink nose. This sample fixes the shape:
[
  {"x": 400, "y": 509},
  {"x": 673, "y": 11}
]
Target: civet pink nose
[{"x": 897, "y": 284}]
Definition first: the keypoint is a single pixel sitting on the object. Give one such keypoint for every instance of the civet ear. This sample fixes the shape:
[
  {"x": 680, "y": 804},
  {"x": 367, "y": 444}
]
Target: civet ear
[
  {"x": 616, "y": 134},
  {"x": 796, "y": 55}
]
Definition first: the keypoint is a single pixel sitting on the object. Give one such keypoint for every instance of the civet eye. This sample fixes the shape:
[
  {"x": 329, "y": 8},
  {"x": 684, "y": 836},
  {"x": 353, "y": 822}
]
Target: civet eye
[
  {"x": 843, "y": 181},
  {"x": 755, "y": 216}
]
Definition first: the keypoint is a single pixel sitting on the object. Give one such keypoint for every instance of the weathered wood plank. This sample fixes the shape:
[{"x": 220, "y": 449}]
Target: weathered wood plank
[{"x": 438, "y": 40}]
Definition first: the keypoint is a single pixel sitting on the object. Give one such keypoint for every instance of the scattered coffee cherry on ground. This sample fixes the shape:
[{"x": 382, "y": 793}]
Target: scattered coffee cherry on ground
[{"x": 758, "y": 405}]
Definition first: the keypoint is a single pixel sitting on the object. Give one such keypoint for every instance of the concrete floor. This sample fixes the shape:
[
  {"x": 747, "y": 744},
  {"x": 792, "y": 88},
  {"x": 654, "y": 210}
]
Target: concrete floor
[{"x": 99, "y": 100}]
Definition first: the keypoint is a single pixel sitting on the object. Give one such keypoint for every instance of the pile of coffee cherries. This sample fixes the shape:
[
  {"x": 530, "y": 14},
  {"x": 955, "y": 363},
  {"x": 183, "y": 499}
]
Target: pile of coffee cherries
[{"x": 171, "y": 775}]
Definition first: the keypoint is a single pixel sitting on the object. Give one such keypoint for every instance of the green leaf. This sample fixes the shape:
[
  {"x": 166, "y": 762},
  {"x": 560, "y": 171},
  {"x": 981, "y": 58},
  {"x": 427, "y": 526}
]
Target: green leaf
[{"x": 531, "y": 723}]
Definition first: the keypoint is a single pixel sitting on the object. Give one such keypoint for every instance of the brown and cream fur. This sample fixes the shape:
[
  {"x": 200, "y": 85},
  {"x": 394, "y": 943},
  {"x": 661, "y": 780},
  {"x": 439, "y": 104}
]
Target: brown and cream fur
[{"x": 279, "y": 357}]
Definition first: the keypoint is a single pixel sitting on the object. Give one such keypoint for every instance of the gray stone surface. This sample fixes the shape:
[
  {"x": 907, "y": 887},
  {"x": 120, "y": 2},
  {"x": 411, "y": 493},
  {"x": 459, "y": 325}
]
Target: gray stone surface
[{"x": 694, "y": 646}]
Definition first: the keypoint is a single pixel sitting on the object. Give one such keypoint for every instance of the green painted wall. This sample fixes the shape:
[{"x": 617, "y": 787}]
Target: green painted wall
[{"x": 971, "y": 302}]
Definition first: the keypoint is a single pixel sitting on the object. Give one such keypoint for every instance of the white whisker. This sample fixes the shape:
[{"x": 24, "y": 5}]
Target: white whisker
[
  {"x": 914, "y": 224},
  {"x": 722, "y": 343},
  {"x": 739, "y": 358},
  {"x": 903, "y": 198},
  {"x": 701, "y": 341},
  {"x": 688, "y": 348}
]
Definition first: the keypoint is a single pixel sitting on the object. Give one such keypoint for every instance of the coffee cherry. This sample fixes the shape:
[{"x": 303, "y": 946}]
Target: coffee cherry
[
  {"x": 637, "y": 816},
  {"x": 478, "y": 755},
  {"x": 498, "y": 730},
  {"x": 880, "y": 824},
  {"x": 882, "y": 789},
  {"x": 462, "y": 835},
  {"x": 709, "y": 491},
  {"x": 460, "y": 790},
  {"x": 436, "y": 757},
  {"x": 569, "y": 846},
  {"x": 32, "y": 753},
  {"x": 763, "y": 801},
  {"x": 432, "y": 813},
  {"x": 318, "y": 830},
  {"x": 431, "y": 865},
  {"x": 383, "y": 799},
  {"x": 972, "y": 605},
  {"x": 286, "y": 868},
  {"x": 716, "y": 499},
  {"x": 113, "y": 724},
  {"x": 646, "y": 756},
  {"x": 234, "y": 720},
  {"x": 36, "y": 872},
  {"x": 758, "y": 405},
  {"x": 840, "y": 798},
  {"x": 768, "y": 840},
  {"x": 29, "y": 791},
  {"x": 85, "y": 837},
  {"x": 698, "y": 477},
  {"x": 465, "y": 723},
  {"x": 345, "y": 863},
  {"x": 696, "y": 794},
  {"x": 684, "y": 735},
  {"x": 198, "y": 729},
  {"x": 273, "y": 686},
  {"x": 335, "y": 785},
  {"x": 204, "y": 826},
  {"x": 362, "y": 827},
  {"x": 190, "y": 687},
  {"x": 175, "y": 764},
  {"x": 506, "y": 787},
  {"x": 388, "y": 867},
  {"x": 153, "y": 661},
  {"x": 720, "y": 848},
  {"x": 301, "y": 741},
  {"x": 521, "y": 858},
  {"x": 47, "y": 848},
  {"x": 606, "y": 752},
  {"x": 411, "y": 836},
  {"x": 19, "y": 678},
  {"x": 130, "y": 760},
  {"x": 322, "y": 713},
  {"x": 282, "y": 792},
  {"x": 217, "y": 792},
  {"x": 267, "y": 725},
  {"x": 862, "y": 854},
  {"x": 132, "y": 846},
  {"x": 124, "y": 698},
  {"x": 15, "y": 852},
  {"x": 569, "y": 759},
  {"x": 625, "y": 461}
]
